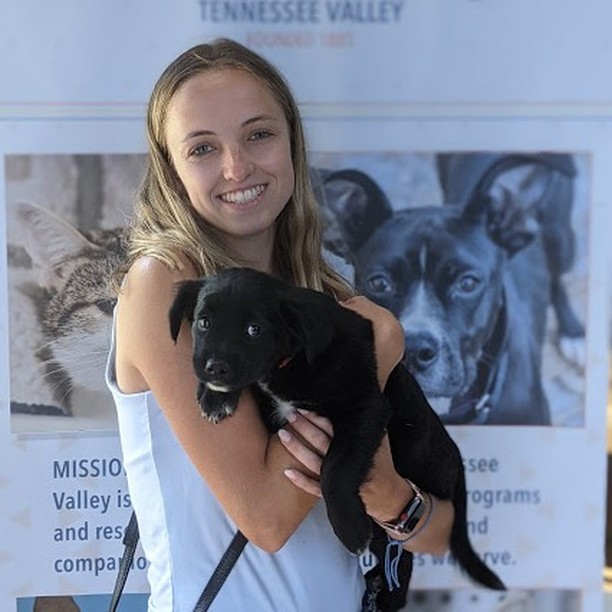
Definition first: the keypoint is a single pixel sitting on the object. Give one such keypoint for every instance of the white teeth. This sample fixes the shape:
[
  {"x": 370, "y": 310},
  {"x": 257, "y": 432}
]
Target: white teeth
[{"x": 240, "y": 197}]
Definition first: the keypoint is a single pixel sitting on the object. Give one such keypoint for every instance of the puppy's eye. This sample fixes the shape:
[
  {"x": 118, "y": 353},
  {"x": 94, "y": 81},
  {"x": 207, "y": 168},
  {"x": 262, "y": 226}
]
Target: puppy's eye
[
  {"x": 203, "y": 323},
  {"x": 379, "y": 283},
  {"x": 253, "y": 330}
]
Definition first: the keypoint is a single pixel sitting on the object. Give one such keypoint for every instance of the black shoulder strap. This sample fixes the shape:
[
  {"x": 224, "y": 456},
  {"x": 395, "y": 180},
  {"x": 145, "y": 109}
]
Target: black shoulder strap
[
  {"x": 230, "y": 556},
  {"x": 224, "y": 567},
  {"x": 130, "y": 541}
]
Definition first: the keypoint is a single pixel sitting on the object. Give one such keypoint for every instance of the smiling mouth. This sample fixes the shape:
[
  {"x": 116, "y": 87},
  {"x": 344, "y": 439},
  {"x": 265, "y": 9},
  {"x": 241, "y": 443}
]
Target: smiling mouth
[{"x": 243, "y": 196}]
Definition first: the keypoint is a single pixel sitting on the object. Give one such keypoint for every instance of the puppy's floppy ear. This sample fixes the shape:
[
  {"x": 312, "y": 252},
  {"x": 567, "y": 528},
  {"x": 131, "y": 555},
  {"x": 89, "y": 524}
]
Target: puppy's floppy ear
[
  {"x": 183, "y": 305},
  {"x": 307, "y": 319}
]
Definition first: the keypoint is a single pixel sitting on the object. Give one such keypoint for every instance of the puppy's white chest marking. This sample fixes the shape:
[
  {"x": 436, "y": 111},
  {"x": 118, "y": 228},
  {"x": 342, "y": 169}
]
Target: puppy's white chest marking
[{"x": 282, "y": 407}]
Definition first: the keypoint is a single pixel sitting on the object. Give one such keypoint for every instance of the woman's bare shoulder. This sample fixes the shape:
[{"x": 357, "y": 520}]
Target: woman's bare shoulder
[
  {"x": 143, "y": 329},
  {"x": 151, "y": 271},
  {"x": 151, "y": 281}
]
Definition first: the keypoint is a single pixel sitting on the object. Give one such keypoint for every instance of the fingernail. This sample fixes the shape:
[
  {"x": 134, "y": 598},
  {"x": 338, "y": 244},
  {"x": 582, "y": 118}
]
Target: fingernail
[
  {"x": 305, "y": 412},
  {"x": 290, "y": 474},
  {"x": 291, "y": 417},
  {"x": 284, "y": 435}
]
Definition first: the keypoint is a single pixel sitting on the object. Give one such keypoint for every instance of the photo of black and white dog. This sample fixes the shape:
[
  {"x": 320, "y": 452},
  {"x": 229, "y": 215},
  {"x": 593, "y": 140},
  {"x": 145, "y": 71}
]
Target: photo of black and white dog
[
  {"x": 298, "y": 348},
  {"x": 471, "y": 280}
]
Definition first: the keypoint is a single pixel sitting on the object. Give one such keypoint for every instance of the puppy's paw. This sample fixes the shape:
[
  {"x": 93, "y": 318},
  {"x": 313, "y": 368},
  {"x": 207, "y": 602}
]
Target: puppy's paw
[
  {"x": 215, "y": 417},
  {"x": 353, "y": 528},
  {"x": 216, "y": 406}
]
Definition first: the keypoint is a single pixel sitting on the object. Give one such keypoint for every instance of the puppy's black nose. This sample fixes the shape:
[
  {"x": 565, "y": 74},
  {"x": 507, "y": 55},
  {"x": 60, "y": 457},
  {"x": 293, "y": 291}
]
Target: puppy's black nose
[{"x": 217, "y": 369}]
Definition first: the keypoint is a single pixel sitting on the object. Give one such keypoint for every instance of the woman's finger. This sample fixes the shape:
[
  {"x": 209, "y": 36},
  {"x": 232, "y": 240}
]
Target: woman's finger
[
  {"x": 300, "y": 480},
  {"x": 314, "y": 430},
  {"x": 322, "y": 423},
  {"x": 306, "y": 455}
]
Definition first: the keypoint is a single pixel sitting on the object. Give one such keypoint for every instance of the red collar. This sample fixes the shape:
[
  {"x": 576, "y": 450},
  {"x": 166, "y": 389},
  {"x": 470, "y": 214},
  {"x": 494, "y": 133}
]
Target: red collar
[{"x": 284, "y": 362}]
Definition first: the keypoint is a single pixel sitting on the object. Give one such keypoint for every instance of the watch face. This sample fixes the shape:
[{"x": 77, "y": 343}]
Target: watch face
[
  {"x": 413, "y": 520},
  {"x": 410, "y": 515},
  {"x": 414, "y": 512}
]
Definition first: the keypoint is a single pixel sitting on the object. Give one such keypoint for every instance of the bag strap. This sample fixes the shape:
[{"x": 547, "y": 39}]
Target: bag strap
[
  {"x": 230, "y": 556},
  {"x": 130, "y": 541},
  {"x": 224, "y": 567}
]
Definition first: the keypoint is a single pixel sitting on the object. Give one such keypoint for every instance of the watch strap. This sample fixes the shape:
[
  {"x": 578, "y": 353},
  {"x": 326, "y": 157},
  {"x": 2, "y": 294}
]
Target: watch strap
[{"x": 402, "y": 527}]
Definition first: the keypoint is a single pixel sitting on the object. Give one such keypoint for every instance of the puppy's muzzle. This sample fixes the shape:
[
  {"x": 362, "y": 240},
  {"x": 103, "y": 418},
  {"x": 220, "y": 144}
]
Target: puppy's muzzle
[{"x": 217, "y": 372}]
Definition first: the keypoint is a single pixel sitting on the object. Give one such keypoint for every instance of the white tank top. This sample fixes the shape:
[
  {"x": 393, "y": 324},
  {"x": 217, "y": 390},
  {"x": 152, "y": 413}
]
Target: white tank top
[{"x": 184, "y": 531}]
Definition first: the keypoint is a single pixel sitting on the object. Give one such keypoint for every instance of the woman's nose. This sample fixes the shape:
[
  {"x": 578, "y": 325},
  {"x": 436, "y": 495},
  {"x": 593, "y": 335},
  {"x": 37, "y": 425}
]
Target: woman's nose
[{"x": 237, "y": 164}]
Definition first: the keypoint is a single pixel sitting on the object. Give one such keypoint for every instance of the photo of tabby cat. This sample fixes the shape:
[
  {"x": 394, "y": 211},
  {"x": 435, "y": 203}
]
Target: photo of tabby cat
[{"x": 66, "y": 218}]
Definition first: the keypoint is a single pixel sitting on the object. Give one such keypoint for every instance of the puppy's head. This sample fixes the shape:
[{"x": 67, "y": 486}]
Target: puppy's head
[{"x": 245, "y": 324}]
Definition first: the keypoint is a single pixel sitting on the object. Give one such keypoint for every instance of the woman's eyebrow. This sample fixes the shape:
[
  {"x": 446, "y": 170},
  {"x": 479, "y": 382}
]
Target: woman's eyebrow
[
  {"x": 257, "y": 118},
  {"x": 260, "y": 118},
  {"x": 197, "y": 134}
]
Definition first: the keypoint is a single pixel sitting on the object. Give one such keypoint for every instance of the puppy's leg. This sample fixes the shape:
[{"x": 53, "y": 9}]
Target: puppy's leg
[
  {"x": 345, "y": 468},
  {"x": 423, "y": 451},
  {"x": 215, "y": 406}
]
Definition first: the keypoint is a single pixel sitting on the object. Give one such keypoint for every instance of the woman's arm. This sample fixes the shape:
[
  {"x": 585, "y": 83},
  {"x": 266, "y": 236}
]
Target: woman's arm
[{"x": 239, "y": 460}]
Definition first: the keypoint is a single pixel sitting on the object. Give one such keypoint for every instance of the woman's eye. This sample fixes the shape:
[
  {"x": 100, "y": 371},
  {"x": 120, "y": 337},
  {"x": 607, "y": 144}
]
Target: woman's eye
[
  {"x": 260, "y": 135},
  {"x": 200, "y": 150},
  {"x": 203, "y": 323},
  {"x": 253, "y": 330}
]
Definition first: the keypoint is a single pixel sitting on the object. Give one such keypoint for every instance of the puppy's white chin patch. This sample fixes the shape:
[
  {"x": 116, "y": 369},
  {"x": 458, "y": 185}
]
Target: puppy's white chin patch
[{"x": 218, "y": 388}]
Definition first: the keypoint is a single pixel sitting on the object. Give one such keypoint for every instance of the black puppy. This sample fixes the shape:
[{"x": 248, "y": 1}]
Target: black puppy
[{"x": 296, "y": 347}]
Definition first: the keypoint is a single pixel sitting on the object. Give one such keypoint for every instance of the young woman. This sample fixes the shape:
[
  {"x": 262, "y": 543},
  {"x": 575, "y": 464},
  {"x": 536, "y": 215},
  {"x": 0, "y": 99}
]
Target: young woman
[{"x": 227, "y": 184}]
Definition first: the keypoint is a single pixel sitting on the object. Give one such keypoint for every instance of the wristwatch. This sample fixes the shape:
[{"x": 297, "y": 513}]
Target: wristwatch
[{"x": 404, "y": 524}]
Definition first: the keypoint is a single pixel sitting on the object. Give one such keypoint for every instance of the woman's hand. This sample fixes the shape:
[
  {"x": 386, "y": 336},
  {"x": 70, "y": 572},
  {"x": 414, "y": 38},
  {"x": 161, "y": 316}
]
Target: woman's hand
[{"x": 307, "y": 438}]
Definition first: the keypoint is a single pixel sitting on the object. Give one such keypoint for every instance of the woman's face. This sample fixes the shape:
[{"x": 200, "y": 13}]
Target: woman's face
[{"x": 230, "y": 145}]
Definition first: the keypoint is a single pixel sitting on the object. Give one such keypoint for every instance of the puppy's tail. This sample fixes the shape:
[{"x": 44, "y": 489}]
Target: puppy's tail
[
  {"x": 474, "y": 566},
  {"x": 465, "y": 555}
]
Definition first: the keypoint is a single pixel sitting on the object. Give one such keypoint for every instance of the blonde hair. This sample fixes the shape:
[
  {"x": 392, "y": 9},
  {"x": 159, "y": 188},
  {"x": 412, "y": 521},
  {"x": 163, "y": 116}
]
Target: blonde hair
[{"x": 167, "y": 227}]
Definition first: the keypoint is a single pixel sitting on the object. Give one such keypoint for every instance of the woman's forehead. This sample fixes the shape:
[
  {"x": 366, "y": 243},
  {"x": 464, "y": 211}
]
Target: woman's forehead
[{"x": 218, "y": 96}]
